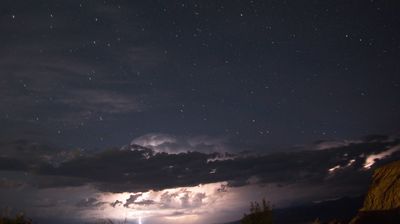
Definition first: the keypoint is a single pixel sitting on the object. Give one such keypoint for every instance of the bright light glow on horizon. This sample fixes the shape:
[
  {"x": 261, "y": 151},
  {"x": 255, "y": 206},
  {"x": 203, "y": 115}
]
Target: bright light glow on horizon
[
  {"x": 207, "y": 203},
  {"x": 174, "y": 205}
]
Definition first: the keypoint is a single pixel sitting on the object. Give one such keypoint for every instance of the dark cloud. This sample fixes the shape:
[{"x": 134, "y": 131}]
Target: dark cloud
[
  {"x": 10, "y": 183},
  {"x": 31, "y": 154},
  {"x": 89, "y": 203},
  {"x": 116, "y": 203},
  {"x": 145, "y": 202},
  {"x": 12, "y": 164},
  {"x": 132, "y": 199},
  {"x": 137, "y": 168},
  {"x": 54, "y": 181}
]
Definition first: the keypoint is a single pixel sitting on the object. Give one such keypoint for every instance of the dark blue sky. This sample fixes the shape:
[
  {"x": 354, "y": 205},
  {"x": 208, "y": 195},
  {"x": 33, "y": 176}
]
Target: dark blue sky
[{"x": 263, "y": 74}]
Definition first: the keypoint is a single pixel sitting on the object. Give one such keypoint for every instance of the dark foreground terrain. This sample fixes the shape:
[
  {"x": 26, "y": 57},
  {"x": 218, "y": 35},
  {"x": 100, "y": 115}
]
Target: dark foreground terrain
[
  {"x": 340, "y": 209},
  {"x": 381, "y": 205}
]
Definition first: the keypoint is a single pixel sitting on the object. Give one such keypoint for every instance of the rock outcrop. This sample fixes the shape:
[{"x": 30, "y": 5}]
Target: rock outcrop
[{"x": 382, "y": 202}]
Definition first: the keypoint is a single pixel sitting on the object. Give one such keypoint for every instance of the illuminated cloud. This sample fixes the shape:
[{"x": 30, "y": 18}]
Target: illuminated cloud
[
  {"x": 371, "y": 159},
  {"x": 341, "y": 167},
  {"x": 155, "y": 141},
  {"x": 323, "y": 145},
  {"x": 160, "y": 142},
  {"x": 333, "y": 169},
  {"x": 207, "y": 203},
  {"x": 203, "y": 203},
  {"x": 166, "y": 206}
]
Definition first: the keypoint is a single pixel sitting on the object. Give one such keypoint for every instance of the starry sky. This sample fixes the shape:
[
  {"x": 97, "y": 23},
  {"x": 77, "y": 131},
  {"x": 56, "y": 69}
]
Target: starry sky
[
  {"x": 262, "y": 73},
  {"x": 231, "y": 76}
]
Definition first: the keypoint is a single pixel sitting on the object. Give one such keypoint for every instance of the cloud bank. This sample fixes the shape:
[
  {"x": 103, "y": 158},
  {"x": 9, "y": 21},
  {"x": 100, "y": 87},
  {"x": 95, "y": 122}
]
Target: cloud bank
[
  {"x": 156, "y": 166},
  {"x": 155, "y": 183}
]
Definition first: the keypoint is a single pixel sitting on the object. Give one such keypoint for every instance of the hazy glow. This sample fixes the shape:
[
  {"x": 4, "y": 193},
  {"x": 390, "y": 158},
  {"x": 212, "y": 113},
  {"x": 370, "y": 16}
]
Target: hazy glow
[
  {"x": 371, "y": 159},
  {"x": 183, "y": 219}
]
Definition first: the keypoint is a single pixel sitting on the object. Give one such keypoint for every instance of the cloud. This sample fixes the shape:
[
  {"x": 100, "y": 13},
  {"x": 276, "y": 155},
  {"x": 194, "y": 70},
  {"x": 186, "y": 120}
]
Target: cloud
[
  {"x": 138, "y": 169},
  {"x": 163, "y": 205},
  {"x": 10, "y": 183},
  {"x": 90, "y": 202},
  {"x": 330, "y": 144},
  {"x": 160, "y": 142},
  {"x": 101, "y": 101},
  {"x": 145, "y": 202},
  {"x": 172, "y": 198},
  {"x": 371, "y": 159},
  {"x": 154, "y": 140},
  {"x": 116, "y": 203},
  {"x": 88, "y": 205},
  {"x": 132, "y": 199},
  {"x": 25, "y": 153},
  {"x": 138, "y": 182},
  {"x": 12, "y": 164}
]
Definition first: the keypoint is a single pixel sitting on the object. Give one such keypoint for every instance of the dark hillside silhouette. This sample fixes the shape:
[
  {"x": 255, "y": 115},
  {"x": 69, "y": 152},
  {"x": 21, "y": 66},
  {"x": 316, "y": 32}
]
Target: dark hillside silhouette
[{"x": 259, "y": 214}]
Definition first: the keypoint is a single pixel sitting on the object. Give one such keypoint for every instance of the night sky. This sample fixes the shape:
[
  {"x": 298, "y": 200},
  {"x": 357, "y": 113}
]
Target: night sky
[{"x": 82, "y": 83}]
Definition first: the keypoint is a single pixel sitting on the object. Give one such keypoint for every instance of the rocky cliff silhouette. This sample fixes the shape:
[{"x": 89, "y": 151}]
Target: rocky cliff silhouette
[{"x": 382, "y": 202}]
